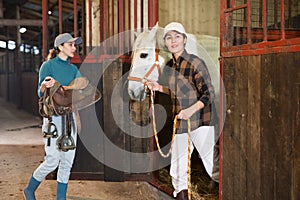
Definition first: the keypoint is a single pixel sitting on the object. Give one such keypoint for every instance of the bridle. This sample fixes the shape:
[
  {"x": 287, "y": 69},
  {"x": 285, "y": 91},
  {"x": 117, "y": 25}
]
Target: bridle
[{"x": 145, "y": 78}]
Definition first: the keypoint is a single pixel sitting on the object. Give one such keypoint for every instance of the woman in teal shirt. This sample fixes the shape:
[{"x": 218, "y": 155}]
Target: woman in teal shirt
[{"x": 56, "y": 68}]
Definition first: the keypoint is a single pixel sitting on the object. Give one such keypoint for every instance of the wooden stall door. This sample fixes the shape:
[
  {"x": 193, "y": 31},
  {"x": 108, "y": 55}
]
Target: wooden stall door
[
  {"x": 261, "y": 137},
  {"x": 296, "y": 144},
  {"x": 88, "y": 166},
  {"x": 111, "y": 76}
]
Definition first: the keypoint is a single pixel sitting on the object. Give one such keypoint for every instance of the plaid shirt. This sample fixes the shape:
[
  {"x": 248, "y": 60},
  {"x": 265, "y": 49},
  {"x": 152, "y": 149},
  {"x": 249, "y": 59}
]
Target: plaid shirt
[{"x": 187, "y": 80}]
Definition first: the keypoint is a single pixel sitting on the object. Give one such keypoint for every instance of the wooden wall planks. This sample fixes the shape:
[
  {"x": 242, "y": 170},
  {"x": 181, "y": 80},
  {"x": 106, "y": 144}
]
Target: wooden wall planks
[{"x": 261, "y": 131}]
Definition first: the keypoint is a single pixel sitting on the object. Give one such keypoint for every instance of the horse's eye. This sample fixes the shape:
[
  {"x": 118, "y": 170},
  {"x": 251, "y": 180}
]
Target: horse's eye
[{"x": 143, "y": 55}]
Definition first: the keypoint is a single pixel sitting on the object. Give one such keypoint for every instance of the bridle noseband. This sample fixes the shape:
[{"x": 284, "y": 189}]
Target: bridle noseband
[{"x": 145, "y": 78}]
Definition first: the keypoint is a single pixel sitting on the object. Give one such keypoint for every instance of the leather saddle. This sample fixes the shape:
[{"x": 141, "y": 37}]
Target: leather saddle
[{"x": 59, "y": 100}]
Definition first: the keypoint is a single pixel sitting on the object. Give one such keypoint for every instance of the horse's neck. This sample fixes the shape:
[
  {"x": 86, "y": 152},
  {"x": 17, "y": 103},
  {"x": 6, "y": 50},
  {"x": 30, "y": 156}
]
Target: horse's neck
[
  {"x": 192, "y": 45},
  {"x": 161, "y": 61}
]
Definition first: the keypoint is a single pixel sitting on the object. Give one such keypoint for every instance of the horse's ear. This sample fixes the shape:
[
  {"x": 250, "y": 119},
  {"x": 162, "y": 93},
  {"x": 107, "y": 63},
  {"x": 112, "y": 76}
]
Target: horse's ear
[
  {"x": 135, "y": 34},
  {"x": 152, "y": 34}
]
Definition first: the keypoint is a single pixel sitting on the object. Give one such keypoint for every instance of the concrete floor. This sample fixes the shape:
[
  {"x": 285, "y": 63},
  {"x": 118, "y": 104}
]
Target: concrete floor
[{"x": 21, "y": 151}]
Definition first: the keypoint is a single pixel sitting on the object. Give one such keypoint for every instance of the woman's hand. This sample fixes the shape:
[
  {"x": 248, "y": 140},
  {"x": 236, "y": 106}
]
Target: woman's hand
[
  {"x": 188, "y": 112},
  {"x": 77, "y": 84},
  {"x": 47, "y": 83},
  {"x": 153, "y": 85}
]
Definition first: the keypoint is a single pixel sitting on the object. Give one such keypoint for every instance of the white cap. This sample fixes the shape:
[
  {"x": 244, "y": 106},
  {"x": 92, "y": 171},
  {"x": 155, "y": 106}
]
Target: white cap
[
  {"x": 174, "y": 26},
  {"x": 66, "y": 37}
]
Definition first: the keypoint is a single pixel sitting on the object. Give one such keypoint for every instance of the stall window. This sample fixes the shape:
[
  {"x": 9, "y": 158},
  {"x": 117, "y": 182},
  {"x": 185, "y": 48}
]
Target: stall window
[{"x": 259, "y": 24}]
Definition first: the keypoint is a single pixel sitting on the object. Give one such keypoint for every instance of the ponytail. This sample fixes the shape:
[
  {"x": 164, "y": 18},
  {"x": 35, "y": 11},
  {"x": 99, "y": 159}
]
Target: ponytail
[{"x": 52, "y": 54}]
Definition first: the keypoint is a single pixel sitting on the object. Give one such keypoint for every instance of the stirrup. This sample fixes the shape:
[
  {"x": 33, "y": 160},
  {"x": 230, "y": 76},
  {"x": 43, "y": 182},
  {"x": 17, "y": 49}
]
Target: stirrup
[
  {"x": 66, "y": 143},
  {"x": 51, "y": 133}
]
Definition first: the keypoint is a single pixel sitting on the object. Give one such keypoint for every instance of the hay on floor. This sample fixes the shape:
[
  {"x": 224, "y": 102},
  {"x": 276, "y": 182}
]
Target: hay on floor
[{"x": 202, "y": 188}]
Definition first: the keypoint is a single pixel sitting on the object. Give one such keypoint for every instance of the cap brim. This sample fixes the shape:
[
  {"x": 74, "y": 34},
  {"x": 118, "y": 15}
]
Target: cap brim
[
  {"x": 167, "y": 31},
  {"x": 76, "y": 40}
]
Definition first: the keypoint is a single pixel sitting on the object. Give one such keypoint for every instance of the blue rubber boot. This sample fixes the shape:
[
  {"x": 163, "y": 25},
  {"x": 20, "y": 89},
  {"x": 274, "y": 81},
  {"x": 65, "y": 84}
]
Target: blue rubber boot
[
  {"x": 33, "y": 184},
  {"x": 61, "y": 191}
]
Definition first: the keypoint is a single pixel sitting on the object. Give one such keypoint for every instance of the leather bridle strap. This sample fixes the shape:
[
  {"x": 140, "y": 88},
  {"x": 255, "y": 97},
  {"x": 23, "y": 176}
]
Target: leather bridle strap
[
  {"x": 144, "y": 79},
  {"x": 155, "y": 65}
]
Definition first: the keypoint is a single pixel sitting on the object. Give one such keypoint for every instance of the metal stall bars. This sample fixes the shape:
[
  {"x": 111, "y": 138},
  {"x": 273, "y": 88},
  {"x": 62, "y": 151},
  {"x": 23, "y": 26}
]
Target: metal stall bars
[
  {"x": 258, "y": 26},
  {"x": 119, "y": 16}
]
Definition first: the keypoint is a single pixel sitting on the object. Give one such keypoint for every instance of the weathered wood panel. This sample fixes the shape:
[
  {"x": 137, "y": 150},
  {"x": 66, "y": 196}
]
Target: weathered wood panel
[
  {"x": 260, "y": 159},
  {"x": 253, "y": 127},
  {"x": 276, "y": 122},
  {"x": 296, "y": 144},
  {"x": 236, "y": 133},
  {"x": 137, "y": 140},
  {"x": 89, "y": 150},
  {"x": 111, "y": 76}
]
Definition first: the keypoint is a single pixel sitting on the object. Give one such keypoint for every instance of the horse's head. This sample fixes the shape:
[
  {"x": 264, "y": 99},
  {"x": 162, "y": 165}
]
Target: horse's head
[{"x": 145, "y": 63}]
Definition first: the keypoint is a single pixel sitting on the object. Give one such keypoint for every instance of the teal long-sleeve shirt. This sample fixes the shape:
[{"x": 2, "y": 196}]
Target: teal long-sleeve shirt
[{"x": 61, "y": 70}]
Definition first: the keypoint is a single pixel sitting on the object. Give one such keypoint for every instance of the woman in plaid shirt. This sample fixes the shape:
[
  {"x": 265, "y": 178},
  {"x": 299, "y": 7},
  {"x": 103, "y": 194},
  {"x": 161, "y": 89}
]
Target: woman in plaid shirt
[{"x": 186, "y": 79}]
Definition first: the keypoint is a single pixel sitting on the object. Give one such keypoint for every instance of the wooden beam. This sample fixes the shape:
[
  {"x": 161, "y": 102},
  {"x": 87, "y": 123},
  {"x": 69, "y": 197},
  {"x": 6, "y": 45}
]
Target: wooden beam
[
  {"x": 3, "y": 37},
  {"x": 22, "y": 22},
  {"x": 31, "y": 14},
  {"x": 67, "y": 6}
]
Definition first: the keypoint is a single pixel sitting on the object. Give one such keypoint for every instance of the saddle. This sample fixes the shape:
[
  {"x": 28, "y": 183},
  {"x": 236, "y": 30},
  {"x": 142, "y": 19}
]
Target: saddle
[
  {"x": 59, "y": 100},
  {"x": 62, "y": 101}
]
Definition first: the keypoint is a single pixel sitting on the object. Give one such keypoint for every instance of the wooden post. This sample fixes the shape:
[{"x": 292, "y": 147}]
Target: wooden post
[
  {"x": 112, "y": 74},
  {"x": 45, "y": 28},
  {"x": 60, "y": 16}
]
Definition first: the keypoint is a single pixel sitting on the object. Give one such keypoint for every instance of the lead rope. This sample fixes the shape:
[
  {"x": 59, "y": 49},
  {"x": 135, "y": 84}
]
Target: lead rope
[
  {"x": 189, "y": 161},
  {"x": 173, "y": 135}
]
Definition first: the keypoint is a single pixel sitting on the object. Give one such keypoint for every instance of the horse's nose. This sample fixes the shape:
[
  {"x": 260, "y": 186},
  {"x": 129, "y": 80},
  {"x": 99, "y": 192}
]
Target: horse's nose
[
  {"x": 131, "y": 93},
  {"x": 137, "y": 95}
]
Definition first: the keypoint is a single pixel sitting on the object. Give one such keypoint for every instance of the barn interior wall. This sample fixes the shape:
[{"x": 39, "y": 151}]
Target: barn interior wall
[{"x": 200, "y": 17}]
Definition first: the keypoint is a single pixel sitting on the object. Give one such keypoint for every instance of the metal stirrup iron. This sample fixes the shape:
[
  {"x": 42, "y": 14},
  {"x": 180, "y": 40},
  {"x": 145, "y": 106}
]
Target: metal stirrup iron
[
  {"x": 66, "y": 141},
  {"x": 51, "y": 131}
]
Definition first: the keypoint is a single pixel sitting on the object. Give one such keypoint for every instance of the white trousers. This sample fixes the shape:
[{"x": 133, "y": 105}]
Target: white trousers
[
  {"x": 54, "y": 157},
  {"x": 203, "y": 140}
]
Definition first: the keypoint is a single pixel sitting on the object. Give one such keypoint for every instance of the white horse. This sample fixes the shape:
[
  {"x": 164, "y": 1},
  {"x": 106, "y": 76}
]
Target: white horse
[{"x": 145, "y": 64}]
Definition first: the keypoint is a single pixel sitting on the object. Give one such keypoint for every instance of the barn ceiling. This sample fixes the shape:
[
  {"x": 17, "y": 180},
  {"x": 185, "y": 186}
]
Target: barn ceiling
[{"x": 30, "y": 17}]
